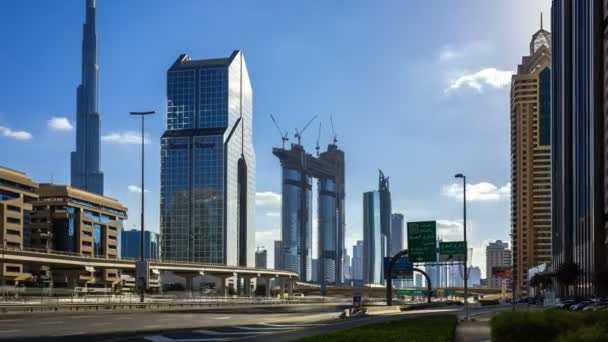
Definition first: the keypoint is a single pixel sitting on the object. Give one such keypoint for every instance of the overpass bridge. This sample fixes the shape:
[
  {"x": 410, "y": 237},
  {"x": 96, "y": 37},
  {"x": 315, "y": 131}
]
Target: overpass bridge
[
  {"x": 380, "y": 291},
  {"x": 62, "y": 261}
]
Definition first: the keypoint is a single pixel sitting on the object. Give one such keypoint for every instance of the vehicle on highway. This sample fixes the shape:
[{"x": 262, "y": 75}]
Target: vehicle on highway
[
  {"x": 599, "y": 305},
  {"x": 580, "y": 305},
  {"x": 565, "y": 304}
]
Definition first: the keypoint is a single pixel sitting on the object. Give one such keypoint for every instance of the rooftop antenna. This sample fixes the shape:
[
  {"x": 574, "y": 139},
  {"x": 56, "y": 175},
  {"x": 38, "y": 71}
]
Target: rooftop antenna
[
  {"x": 284, "y": 137},
  {"x": 541, "y": 20},
  {"x": 331, "y": 119},
  {"x": 318, "y": 138},
  {"x": 298, "y": 134}
]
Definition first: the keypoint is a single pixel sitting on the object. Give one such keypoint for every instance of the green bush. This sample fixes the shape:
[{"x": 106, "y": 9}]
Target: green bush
[
  {"x": 549, "y": 325},
  {"x": 593, "y": 333}
]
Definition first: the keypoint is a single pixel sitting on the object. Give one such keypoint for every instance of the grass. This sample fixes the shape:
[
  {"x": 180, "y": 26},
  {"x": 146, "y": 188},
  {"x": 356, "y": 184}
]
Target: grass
[
  {"x": 427, "y": 328},
  {"x": 550, "y": 325}
]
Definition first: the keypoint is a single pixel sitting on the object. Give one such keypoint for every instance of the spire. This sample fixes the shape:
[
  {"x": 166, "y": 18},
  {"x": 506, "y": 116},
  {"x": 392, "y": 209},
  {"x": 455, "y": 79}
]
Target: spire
[{"x": 541, "y": 19}]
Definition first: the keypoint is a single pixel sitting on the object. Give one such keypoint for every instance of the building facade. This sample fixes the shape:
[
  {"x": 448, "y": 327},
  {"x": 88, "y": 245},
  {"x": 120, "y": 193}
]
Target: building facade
[
  {"x": 130, "y": 244},
  {"x": 75, "y": 221},
  {"x": 376, "y": 231},
  {"x": 278, "y": 255},
  {"x": 208, "y": 163},
  {"x": 261, "y": 258},
  {"x": 397, "y": 234},
  {"x": 17, "y": 192},
  {"x": 357, "y": 261},
  {"x": 497, "y": 255},
  {"x": 85, "y": 170},
  {"x": 474, "y": 276},
  {"x": 580, "y": 123},
  {"x": 298, "y": 170},
  {"x": 531, "y": 160}
]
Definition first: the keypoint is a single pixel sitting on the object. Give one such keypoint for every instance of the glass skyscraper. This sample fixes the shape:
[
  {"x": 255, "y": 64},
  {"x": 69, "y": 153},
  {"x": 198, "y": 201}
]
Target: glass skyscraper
[
  {"x": 85, "y": 171},
  {"x": 130, "y": 244},
  {"x": 376, "y": 231},
  {"x": 208, "y": 163},
  {"x": 579, "y": 145}
]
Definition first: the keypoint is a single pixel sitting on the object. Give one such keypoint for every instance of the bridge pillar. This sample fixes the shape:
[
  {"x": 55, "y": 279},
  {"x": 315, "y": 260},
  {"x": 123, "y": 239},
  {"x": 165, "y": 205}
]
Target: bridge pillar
[
  {"x": 189, "y": 277},
  {"x": 268, "y": 285},
  {"x": 247, "y": 286},
  {"x": 222, "y": 289},
  {"x": 282, "y": 288},
  {"x": 290, "y": 288}
]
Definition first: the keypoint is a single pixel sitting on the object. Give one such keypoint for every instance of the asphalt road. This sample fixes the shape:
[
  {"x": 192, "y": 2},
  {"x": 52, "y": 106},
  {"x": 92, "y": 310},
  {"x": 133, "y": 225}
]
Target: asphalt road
[{"x": 195, "y": 325}]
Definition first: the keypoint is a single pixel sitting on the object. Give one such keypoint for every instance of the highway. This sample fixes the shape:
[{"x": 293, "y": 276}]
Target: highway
[{"x": 284, "y": 323}]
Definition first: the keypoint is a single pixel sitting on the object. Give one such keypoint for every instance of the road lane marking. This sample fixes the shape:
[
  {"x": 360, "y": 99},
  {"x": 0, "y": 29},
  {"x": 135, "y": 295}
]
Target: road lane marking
[
  {"x": 295, "y": 325},
  {"x": 161, "y": 338},
  {"x": 152, "y": 326},
  {"x": 265, "y": 328},
  {"x": 224, "y": 317},
  {"x": 212, "y": 332},
  {"x": 8, "y": 320},
  {"x": 10, "y": 331},
  {"x": 101, "y": 324},
  {"x": 52, "y": 322}
]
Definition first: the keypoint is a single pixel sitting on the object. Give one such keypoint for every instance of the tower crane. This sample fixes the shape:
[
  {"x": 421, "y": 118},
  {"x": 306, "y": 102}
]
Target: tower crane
[
  {"x": 331, "y": 119},
  {"x": 318, "y": 138},
  {"x": 298, "y": 134},
  {"x": 284, "y": 136}
]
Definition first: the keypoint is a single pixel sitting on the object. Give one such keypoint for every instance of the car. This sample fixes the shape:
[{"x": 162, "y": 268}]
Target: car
[
  {"x": 565, "y": 304},
  {"x": 581, "y": 305},
  {"x": 599, "y": 305}
]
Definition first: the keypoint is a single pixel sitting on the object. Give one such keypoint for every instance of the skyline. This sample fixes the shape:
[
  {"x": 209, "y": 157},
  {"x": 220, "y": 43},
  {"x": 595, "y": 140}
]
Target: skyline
[{"x": 433, "y": 197}]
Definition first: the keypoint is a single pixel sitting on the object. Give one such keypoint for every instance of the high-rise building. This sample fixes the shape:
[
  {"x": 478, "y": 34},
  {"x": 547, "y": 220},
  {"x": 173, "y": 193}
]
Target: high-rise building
[
  {"x": 397, "y": 234},
  {"x": 76, "y": 221},
  {"x": 357, "y": 261},
  {"x": 314, "y": 277},
  {"x": 278, "y": 255},
  {"x": 17, "y": 192},
  {"x": 261, "y": 258},
  {"x": 130, "y": 244},
  {"x": 474, "y": 276},
  {"x": 298, "y": 170},
  {"x": 497, "y": 255},
  {"x": 580, "y": 151},
  {"x": 346, "y": 270},
  {"x": 376, "y": 231},
  {"x": 208, "y": 163},
  {"x": 531, "y": 160},
  {"x": 85, "y": 169}
]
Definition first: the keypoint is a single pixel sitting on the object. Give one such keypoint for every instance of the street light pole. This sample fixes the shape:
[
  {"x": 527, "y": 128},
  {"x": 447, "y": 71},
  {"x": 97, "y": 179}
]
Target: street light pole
[
  {"x": 142, "y": 230},
  {"x": 466, "y": 245}
]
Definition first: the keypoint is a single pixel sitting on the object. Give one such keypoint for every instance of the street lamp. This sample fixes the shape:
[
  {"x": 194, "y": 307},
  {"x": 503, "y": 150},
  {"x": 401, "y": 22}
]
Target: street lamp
[
  {"x": 141, "y": 236},
  {"x": 466, "y": 246}
]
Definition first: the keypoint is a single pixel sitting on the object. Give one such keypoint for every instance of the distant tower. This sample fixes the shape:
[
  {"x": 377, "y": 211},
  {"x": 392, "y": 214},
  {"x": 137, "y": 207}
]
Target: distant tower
[{"x": 85, "y": 172}]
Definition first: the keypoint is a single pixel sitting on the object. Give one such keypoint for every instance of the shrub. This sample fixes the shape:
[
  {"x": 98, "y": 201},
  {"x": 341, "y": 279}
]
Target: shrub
[{"x": 549, "y": 325}]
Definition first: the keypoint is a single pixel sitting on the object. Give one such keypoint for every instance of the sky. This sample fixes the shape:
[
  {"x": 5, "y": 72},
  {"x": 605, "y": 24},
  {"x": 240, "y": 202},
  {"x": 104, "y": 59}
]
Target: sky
[{"x": 418, "y": 89}]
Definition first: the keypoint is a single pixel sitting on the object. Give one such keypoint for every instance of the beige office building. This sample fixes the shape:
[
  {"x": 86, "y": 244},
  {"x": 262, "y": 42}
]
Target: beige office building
[
  {"x": 17, "y": 192},
  {"x": 531, "y": 160}
]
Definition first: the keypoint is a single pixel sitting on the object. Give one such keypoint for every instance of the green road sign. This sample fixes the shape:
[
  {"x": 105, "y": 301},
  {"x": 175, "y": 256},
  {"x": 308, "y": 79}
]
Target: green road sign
[
  {"x": 422, "y": 241},
  {"x": 408, "y": 292},
  {"x": 452, "y": 251}
]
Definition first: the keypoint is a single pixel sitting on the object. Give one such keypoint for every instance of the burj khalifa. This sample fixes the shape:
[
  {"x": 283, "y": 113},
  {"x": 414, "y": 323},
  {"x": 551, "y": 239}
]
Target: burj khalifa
[{"x": 85, "y": 172}]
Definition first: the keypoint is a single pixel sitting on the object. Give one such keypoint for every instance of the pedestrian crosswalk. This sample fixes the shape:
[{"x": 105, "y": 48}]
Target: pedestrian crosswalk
[{"x": 229, "y": 333}]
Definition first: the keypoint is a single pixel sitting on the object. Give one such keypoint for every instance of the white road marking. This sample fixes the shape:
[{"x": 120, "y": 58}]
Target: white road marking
[
  {"x": 101, "y": 324},
  {"x": 224, "y": 317},
  {"x": 211, "y": 332},
  {"x": 10, "y": 331},
  {"x": 152, "y": 326},
  {"x": 160, "y": 338},
  {"x": 8, "y": 320},
  {"x": 263, "y": 328},
  {"x": 295, "y": 325},
  {"x": 52, "y": 322}
]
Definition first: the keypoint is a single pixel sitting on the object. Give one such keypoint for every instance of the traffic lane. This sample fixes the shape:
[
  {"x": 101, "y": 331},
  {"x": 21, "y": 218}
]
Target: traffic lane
[
  {"x": 357, "y": 322},
  {"x": 51, "y": 326}
]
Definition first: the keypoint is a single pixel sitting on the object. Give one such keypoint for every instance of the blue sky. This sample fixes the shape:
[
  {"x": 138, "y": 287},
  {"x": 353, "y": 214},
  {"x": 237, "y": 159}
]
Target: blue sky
[{"x": 419, "y": 89}]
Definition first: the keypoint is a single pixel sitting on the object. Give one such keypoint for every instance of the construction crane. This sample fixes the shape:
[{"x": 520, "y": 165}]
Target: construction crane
[
  {"x": 318, "y": 138},
  {"x": 284, "y": 137},
  {"x": 298, "y": 134},
  {"x": 331, "y": 119}
]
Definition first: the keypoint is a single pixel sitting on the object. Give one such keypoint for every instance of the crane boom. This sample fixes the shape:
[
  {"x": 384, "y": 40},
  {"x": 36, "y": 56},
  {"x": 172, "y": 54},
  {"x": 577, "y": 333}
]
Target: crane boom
[
  {"x": 331, "y": 119},
  {"x": 318, "y": 138},
  {"x": 298, "y": 134},
  {"x": 284, "y": 137}
]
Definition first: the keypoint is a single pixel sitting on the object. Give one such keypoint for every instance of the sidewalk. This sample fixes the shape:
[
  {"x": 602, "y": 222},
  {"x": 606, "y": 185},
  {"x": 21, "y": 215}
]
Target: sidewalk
[{"x": 475, "y": 330}]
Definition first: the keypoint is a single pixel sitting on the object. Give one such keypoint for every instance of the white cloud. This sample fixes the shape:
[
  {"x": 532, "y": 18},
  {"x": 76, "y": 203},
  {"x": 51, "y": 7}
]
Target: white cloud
[
  {"x": 491, "y": 77},
  {"x": 136, "y": 189},
  {"x": 127, "y": 137},
  {"x": 268, "y": 199},
  {"x": 451, "y": 52},
  {"x": 18, "y": 135},
  {"x": 482, "y": 191},
  {"x": 60, "y": 124}
]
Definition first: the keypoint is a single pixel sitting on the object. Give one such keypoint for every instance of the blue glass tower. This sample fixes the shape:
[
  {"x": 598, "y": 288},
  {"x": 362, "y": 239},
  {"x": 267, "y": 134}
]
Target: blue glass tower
[
  {"x": 208, "y": 163},
  {"x": 85, "y": 172}
]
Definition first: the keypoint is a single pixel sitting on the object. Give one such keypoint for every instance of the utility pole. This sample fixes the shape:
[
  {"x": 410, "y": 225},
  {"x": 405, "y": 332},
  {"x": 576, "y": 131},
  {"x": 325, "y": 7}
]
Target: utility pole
[
  {"x": 466, "y": 246},
  {"x": 142, "y": 232}
]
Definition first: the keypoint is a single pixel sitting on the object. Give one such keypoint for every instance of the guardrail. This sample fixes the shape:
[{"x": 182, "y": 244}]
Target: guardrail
[{"x": 147, "y": 306}]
